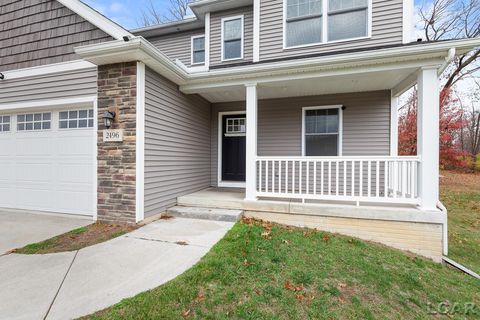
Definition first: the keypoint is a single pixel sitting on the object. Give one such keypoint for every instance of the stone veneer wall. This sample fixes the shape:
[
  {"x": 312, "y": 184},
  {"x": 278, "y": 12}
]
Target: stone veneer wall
[{"x": 117, "y": 89}]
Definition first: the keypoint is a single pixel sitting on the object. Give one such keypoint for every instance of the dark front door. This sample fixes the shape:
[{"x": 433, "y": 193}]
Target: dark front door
[{"x": 233, "y": 147}]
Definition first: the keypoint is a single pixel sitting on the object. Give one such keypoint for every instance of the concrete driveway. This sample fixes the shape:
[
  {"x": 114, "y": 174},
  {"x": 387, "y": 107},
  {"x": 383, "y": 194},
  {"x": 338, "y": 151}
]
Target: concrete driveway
[
  {"x": 74, "y": 284},
  {"x": 19, "y": 228}
]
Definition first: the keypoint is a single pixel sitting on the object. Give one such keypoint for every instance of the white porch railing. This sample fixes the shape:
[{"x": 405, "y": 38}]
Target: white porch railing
[{"x": 359, "y": 179}]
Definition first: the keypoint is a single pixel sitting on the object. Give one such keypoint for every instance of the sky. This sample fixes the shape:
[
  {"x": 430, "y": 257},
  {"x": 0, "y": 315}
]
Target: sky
[{"x": 125, "y": 12}]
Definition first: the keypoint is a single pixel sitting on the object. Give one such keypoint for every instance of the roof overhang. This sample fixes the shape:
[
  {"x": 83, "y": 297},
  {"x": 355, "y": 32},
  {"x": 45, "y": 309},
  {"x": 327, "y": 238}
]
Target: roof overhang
[
  {"x": 97, "y": 19},
  {"x": 367, "y": 63},
  {"x": 200, "y": 7},
  {"x": 171, "y": 27}
]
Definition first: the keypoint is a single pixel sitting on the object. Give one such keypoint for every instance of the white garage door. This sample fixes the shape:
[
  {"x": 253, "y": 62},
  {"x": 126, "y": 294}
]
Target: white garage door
[{"x": 47, "y": 161}]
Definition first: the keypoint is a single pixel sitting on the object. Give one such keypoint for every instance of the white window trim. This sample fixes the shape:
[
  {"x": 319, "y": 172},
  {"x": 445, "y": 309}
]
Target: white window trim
[
  {"x": 325, "y": 28},
  {"x": 220, "y": 182},
  {"x": 191, "y": 50},
  {"x": 242, "y": 18},
  {"x": 340, "y": 126}
]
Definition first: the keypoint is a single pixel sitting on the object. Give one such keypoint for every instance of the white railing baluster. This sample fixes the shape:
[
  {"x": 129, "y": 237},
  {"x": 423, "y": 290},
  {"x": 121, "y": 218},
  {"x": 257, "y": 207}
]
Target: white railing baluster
[
  {"x": 361, "y": 178},
  {"x": 337, "y": 173},
  {"x": 369, "y": 179},
  {"x": 353, "y": 178},
  {"x": 299, "y": 178},
  {"x": 329, "y": 177}
]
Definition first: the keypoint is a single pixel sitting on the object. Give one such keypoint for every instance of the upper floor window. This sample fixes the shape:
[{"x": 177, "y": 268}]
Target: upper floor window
[
  {"x": 303, "y": 22},
  {"x": 232, "y": 38},
  {"x": 198, "y": 49},
  {"x": 310, "y": 22},
  {"x": 347, "y": 19}
]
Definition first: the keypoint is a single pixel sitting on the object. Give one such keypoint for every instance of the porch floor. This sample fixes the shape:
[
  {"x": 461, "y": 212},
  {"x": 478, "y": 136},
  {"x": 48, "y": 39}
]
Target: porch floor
[{"x": 231, "y": 198}]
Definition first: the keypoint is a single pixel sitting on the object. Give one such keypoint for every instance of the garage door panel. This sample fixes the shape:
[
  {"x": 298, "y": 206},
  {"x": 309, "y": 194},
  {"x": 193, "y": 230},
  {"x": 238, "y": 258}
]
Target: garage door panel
[
  {"x": 74, "y": 201},
  {"x": 48, "y": 170}
]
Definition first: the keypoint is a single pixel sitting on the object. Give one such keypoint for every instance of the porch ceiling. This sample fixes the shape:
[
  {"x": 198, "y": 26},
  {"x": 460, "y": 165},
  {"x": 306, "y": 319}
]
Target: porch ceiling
[{"x": 358, "y": 82}]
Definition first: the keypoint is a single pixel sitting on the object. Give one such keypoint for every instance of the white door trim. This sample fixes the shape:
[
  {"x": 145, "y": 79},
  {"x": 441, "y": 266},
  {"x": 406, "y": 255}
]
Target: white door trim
[{"x": 220, "y": 183}]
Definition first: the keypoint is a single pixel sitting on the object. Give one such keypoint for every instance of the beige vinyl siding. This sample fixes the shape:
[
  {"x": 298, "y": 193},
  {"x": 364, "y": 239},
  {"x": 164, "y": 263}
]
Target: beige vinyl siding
[
  {"x": 177, "y": 143},
  {"x": 386, "y": 30},
  {"x": 177, "y": 45},
  {"x": 50, "y": 86},
  {"x": 216, "y": 35},
  {"x": 366, "y": 124},
  {"x": 42, "y": 32}
]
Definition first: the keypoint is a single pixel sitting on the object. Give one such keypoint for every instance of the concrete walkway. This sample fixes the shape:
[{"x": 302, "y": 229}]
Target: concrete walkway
[
  {"x": 74, "y": 284},
  {"x": 19, "y": 228}
]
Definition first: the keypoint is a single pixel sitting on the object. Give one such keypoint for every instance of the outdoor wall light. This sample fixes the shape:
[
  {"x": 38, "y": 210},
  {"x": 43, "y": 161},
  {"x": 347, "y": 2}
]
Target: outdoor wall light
[{"x": 108, "y": 118}]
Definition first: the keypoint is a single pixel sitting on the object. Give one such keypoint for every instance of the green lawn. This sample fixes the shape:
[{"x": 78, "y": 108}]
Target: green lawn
[
  {"x": 460, "y": 193},
  {"x": 272, "y": 272}
]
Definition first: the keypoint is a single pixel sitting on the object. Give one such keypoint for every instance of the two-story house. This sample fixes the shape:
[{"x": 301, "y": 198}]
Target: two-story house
[{"x": 286, "y": 109}]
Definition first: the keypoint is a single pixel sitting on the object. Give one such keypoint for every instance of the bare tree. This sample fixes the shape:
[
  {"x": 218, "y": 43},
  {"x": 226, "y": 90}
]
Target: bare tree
[
  {"x": 453, "y": 19},
  {"x": 174, "y": 11}
]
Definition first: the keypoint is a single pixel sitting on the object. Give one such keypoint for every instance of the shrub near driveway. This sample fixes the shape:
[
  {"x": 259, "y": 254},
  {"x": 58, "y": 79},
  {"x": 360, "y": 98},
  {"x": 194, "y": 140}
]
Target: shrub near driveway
[{"x": 265, "y": 271}]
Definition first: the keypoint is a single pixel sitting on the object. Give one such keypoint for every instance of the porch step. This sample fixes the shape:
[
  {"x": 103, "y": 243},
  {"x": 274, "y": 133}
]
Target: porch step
[{"x": 205, "y": 213}]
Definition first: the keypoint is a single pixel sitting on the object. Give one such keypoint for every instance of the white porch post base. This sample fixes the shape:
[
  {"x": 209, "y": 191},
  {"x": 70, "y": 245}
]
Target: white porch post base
[
  {"x": 428, "y": 137},
  {"x": 251, "y": 141}
]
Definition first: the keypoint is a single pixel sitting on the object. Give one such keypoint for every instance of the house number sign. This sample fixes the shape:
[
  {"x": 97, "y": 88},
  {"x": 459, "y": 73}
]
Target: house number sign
[{"x": 113, "y": 135}]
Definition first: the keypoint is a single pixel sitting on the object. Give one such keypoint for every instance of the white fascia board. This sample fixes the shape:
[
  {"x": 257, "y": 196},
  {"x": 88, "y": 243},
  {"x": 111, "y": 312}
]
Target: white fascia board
[
  {"x": 199, "y": 8},
  {"x": 96, "y": 18},
  {"x": 137, "y": 49},
  {"x": 47, "y": 69}
]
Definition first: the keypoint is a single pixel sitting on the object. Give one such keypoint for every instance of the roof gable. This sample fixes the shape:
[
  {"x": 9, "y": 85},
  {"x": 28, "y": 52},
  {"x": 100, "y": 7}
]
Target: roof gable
[{"x": 43, "y": 32}]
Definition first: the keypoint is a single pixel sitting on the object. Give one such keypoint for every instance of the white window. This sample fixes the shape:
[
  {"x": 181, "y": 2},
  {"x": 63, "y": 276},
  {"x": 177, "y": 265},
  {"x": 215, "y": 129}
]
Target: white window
[
  {"x": 347, "y": 19},
  {"x": 74, "y": 119},
  {"x": 322, "y": 131},
  {"x": 236, "y": 126},
  {"x": 34, "y": 121},
  {"x": 232, "y": 38},
  {"x": 309, "y": 22},
  {"x": 198, "y": 49},
  {"x": 303, "y": 22},
  {"x": 4, "y": 123}
]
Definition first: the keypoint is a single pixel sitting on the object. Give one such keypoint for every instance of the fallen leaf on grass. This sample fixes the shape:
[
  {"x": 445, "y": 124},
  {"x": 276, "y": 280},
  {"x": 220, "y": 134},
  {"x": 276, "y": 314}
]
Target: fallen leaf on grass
[
  {"x": 299, "y": 297},
  {"x": 326, "y": 238},
  {"x": 342, "y": 285},
  {"x": 247, "y": 263},
  {"x": 266, "y": 235},
  {"x": 290, "y": 286},
  {"x": 186, "y": 313},
  {"x": 286, "y": 241}
]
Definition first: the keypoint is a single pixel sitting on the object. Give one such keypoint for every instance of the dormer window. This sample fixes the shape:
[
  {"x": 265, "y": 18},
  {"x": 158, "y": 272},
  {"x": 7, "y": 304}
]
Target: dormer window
[
  {"x": 311, "y": 22},
  {"x": 303, "y": 22},
  {"x": 347, "y": 19},
  {"x": 198, "y": 49},
  {"x": 232, "y": 38}
]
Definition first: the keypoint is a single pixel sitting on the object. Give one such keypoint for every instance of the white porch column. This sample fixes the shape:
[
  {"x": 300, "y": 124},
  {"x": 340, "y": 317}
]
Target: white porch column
[
  {"x": 251, "y": 140},
  {"x": 394, "y": 126},
  {"x": 428, "y": 136}
]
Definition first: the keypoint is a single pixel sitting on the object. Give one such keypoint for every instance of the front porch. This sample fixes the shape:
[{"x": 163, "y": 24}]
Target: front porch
[{"x": 401, "y": 226}]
